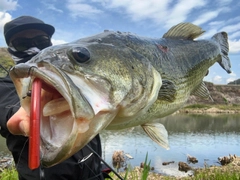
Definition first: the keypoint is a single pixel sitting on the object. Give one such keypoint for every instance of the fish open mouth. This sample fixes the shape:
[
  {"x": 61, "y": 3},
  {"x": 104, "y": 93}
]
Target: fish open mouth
[
  {"x": 67, "y": 108},
  {"x": 55, "y": 112},
  {"x": 61, "y": 114},
  {"x": 59, "y": 110}
]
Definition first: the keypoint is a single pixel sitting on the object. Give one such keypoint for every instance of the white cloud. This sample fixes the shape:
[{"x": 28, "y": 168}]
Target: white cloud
[
  {"x": 80, "y": 9},
  {"x": 205, "y": 17},
  {"x": 217, "y": 79},
  {"x": 165, "y": 12},
  {"x": 52, "y": 7},
  {"x": 232, "y": 74},
  {"x": 8, "y": 5},
  {"x": 216, "y": 23},
  {"x": 223, "y": 2},
  {"x": 231, "y": 79},
  {"x": 234, "y": 35},
  {"x": 58, "y": 41},
  {"x": 140, "y": 10},
  {"x": 231, "y": 28},
  {"x": 4, "y": 18},
  {"x": 181, "y": 10},
  {"x": 234, "y": 46},
  {"x": 234, "y": 19},
  {"x": 209, "y": 33}
]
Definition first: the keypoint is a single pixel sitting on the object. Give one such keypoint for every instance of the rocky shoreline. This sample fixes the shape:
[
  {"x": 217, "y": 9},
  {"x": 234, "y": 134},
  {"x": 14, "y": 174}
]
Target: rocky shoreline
[
  {"x": 6, "y": 161},
  {"x": 233, "y": 165},
  {"x": 211, "y": 110}
]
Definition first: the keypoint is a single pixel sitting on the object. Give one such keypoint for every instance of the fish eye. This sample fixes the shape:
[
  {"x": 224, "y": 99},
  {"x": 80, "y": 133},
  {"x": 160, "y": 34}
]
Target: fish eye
[{"x": 80, "y": 54}]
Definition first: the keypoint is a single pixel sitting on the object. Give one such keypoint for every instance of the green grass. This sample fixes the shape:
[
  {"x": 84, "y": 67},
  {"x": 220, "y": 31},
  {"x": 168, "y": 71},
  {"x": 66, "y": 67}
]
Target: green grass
[
  {"x": 224, "y": 173},
  {"x": 8, "y": 174},
  {"x": 146, "y": 168},
  {"x": 217, "y": 174}
]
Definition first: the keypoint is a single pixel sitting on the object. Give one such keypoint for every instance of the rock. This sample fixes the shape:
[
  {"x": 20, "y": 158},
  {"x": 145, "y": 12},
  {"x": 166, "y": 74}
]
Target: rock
[
  {"x": 118, "y": 159},
  {"x": 192, "y": 159},
  {"x": 226, "y": 159},
  {"x": 182, "y": 166},
  {"x": 6, "y": 161},
  {"x": 167, "y": 163}
]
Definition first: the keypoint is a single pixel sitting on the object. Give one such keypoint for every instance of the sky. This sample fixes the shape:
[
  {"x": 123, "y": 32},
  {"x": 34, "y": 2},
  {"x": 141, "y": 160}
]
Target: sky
[{"x": 75, "y": 19}]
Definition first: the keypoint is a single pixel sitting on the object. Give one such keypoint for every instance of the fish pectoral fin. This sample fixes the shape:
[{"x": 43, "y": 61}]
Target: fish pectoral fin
[
  {"x": 157, "y": 133},
  {"x": 202, "y": 91},
  {"x": 167, "y": 91},
  {"x": 184, "y": 31}
]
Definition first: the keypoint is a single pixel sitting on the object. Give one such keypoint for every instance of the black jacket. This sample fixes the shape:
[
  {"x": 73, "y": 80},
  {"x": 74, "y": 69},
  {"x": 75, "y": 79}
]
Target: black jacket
[{"x": 18, "y": 145}]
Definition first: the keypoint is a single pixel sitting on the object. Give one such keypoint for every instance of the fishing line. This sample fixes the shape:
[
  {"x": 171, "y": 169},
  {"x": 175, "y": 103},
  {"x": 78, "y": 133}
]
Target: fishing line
[
  {"x": 105, "y": 162},
  {"x": 96, "y": 175},
  {"x": 21, "y": 152},
  {"x": 14, "y": 105},
  {"x": 4, "y": 68}
]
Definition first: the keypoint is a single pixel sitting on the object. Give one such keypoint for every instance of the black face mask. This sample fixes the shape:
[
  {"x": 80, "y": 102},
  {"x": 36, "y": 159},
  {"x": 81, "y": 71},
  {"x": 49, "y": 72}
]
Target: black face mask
[
  {"x": 22, "y": 48},
  {"x": 22, "y": 56}
]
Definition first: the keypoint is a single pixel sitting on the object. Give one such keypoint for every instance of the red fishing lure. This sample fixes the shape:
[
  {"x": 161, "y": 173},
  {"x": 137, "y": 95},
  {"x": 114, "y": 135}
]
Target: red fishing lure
[{"x": 34, "y": 136}]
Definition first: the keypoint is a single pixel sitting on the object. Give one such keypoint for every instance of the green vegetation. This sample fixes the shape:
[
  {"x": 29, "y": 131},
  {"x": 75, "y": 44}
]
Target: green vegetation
[
  {"x": 146, "y": 168},
  {"x": 6, "y": 61},
  {"x": 203, "y": 174},
  {"x": 227, "y": 172},
  {"x": 217, "y": 174},
  {"x": 8, "y": 174}
]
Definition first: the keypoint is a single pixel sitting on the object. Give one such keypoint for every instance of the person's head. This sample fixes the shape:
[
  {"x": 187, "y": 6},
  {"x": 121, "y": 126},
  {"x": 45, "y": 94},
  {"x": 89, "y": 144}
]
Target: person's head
[{"x": 26, "y": 36}]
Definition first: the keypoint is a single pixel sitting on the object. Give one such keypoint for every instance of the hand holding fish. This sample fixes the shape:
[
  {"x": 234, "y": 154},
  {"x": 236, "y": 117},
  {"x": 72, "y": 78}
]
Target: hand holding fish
[{"x": 18, "y": 124}]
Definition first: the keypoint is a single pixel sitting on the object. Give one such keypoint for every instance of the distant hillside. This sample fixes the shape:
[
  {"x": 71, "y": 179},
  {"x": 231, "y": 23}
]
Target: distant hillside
[
  {"x": 5, "y": 61},
  {"x": 221, "y": 94},
  {"x": 235, "y": 82}
]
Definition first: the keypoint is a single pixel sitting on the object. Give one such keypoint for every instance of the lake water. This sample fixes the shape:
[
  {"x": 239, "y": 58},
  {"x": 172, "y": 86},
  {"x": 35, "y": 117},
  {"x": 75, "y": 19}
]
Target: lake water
[{"x": 205, "y": 137}]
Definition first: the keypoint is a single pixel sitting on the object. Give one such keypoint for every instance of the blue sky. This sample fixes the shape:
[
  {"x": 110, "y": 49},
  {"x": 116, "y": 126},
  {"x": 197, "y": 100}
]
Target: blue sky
[{"x": 74, "y": 19}]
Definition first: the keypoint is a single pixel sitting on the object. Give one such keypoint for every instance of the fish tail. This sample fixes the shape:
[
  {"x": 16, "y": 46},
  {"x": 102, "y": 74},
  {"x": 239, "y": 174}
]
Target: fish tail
[{"x": 222, "y": 39}]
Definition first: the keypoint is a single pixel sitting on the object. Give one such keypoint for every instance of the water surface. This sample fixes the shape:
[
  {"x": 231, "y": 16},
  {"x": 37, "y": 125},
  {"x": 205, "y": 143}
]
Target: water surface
[{"x": 205, "y": 137}]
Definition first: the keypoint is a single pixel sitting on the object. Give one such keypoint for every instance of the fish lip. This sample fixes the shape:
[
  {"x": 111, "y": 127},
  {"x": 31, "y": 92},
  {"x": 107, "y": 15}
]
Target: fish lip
[
  {"x": 62, "y": 86},
  {"x": 51, "y": 81}
]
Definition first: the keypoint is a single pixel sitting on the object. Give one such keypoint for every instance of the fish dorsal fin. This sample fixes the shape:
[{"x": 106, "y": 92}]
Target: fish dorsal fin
[
  {"x": 202, "y": 91},
  {"x": 157, "y": 133},
  {"x": 184, "y": 31},
  {"x": 167, "y": 91}
]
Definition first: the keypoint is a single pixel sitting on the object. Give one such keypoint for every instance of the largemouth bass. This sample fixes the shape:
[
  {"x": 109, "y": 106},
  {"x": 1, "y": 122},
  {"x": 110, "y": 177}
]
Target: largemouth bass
[{"x": 116, "y": 80}]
